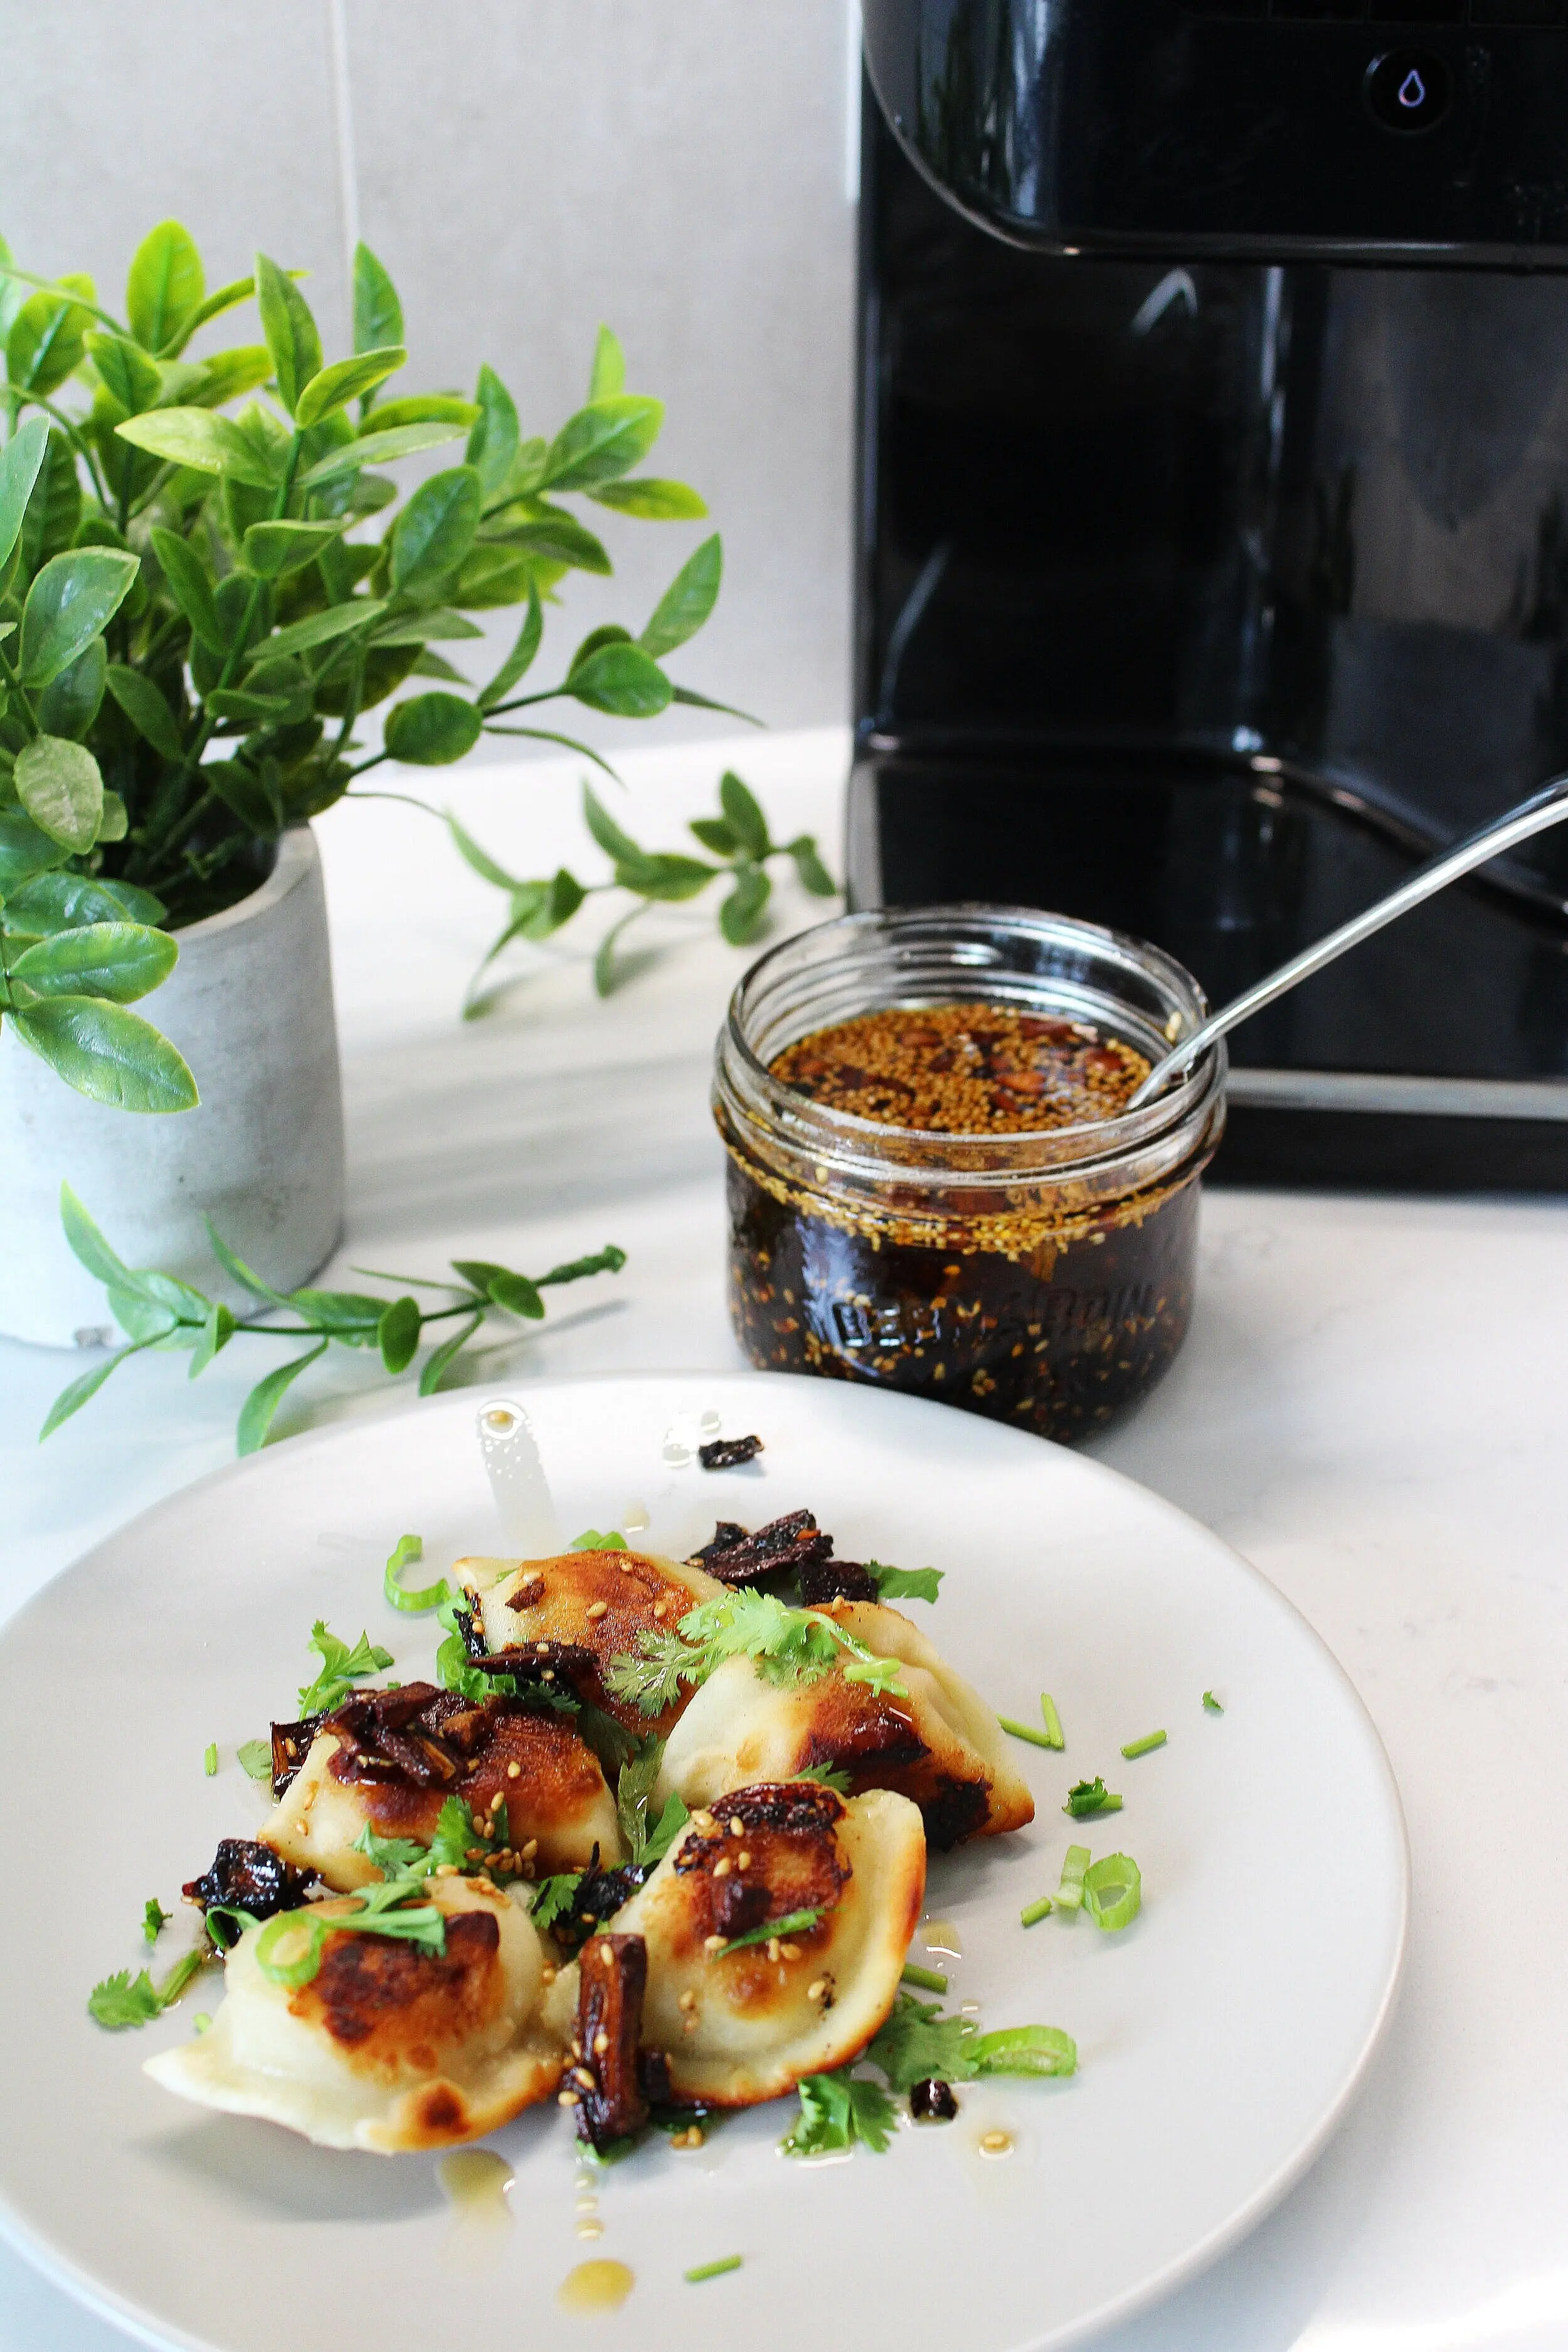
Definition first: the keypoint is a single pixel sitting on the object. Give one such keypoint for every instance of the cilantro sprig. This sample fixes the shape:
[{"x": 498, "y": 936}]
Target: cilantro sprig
[
  {"x": 341, "y": 1668},
  {"x": 154, "y": 1919},
  {"x": 836, "y": 2110},
  {"x": 554, "y": 1896},
  {"x": 916, "y": 2044},
  {"x": 789, "y": 1646},
  {"x": 123, "y": 2000},
  {"x": 904, "y": 1583},
  {"x": 648, "y": 1841}
]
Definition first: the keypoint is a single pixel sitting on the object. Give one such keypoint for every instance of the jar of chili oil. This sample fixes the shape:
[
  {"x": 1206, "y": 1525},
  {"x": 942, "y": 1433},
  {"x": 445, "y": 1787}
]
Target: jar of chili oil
[{"x": 934, "y": 1183}]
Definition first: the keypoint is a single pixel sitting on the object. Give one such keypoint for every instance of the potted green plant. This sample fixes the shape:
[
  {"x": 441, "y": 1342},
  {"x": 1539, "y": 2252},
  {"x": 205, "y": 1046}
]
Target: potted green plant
[{"x": 200, "y": 601}]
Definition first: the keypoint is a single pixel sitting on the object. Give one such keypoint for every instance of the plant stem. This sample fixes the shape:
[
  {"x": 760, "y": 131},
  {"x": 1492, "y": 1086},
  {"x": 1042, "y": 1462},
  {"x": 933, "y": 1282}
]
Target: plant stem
[
  {"x": 18, "y": 397},
  {"x": 14, "y": 686}
]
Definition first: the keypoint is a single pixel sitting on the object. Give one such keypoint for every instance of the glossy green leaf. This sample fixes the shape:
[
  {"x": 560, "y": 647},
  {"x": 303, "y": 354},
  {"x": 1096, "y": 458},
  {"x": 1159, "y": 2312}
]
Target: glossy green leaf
[
  {"x": 431, "y": 624},
  {"x": 260, "y": 1406},
  {"x": 518, "y": 1294},
  {"x": 26, "y": 852},
  {"x": 715, "y": 832},
  {"x": 191, "y": 588},
  {"x": 608, "y": 376},
  {"x": 350, "y": 1316},
  {"x": 652, "y": 500},
  {"x": 607, "y": 973},
  {"x": 743, "y": 811},
  {"x": 86, "y": 1384},
  {"x": 347, "y": 380},
  {"x": 519, "y": 660},
  {"x": 226, "y": 375},
  {"x": 235, "y": 1266},
  {"x": 54, "y": 510},
  {"x": 196, "y": 437},
  {"x": 69, "y": 704},
  {"x": 165, "y": 290},
  {"x": 272, "y": 550},
  {"x": 436, "y": 1362},
  {"x": 20, "y": 459},
  {"x": 289, "y": 329},
  {"x": 260, "y": 810},
  {"x": 59, "y": 785},
  {"x": 814, "y": 876},
  {"x": 683, "y": 694},
  {"x": 45, "y": 341},
  {"x": 667, "y": 878},
  {"x": 622, "y": 681},
  {"x": 225, "y": 298},
  {"x": 120, "y": 960},
  {"x": 88, "y": 1245},
  {"x": 436, "y": 528},
  {"x": 426, "y": 408},
  {"x": 607, "y": 832},
  {"x": 108, "y": 1053},
  {"x": 480, "y": 859},
  {"x": 378, "y": 449},
  {"x": 397, "y": 1334},
  {"x": 741, "y": 916},
  {"x": 378, "y": 313},
  {"x": 686, "y": 601},
  {"x": 491, "y": 578},
  {"x": 215, "y": 1334},
  {"x": 61, "y": 902},
  {"x": 321, "y": 628},
  {"x": 431, "y": 731},
  {"x": 69, "y": 602},
  {"x": 145, "y": 708},
  {"x": 115, "y": 822},
  {"x": 557, "y": 536},
  {"x": 602, "y": 442},
  {"x": 125, "y": 371},
  {"x": 493, "y": 442}
]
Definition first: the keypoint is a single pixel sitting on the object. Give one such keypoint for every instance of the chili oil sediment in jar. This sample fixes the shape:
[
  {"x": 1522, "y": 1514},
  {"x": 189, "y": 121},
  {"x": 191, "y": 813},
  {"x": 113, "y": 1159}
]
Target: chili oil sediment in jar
[{"x": 940, "y": 1190}]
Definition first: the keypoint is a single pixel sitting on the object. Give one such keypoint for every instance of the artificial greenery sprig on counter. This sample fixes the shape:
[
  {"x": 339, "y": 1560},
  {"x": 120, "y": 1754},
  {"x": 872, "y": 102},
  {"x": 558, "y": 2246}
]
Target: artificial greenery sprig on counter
[
  {"x": 158, "y": 1310},
  {"x": 190, "y": 632},
  {"x": 739, "y": 835}
]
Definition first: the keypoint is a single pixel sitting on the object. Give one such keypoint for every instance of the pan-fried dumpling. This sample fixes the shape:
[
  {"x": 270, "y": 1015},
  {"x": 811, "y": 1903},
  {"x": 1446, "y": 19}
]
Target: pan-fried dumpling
[
  {"x": 392, "y": 1758},
  {"x": 740, "y": 2026},
  {"x": 597, "y": 1602},
  {"x": 941, "y": 1746},
  {"x": 387, "y": 2047}
]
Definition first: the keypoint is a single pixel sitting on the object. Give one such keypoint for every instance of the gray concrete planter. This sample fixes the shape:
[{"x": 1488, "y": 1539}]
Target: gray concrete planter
[{"x": 249, "y": 1005}]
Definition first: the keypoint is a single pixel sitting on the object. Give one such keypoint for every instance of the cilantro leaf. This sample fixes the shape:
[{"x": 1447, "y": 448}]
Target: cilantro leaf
[
  {"x": 647, "y": 1842},
  {"x": 154, "y": 1919},
  {"x": 341, "y": 1668},
  {"x": 592, "y": 1541},
  {"x": 454, "y": 1834},
  {"x": 904, "y": 1583},
  {"x": 554, "y": 1896},
  {"x": 836, "y": 2110},
  {"x": 393, "y": 1857},
  {"x": 788, "y": 1647},
  {"x": 122, "y": 2000},
  {"x": 827, "y": 1776},
  {"x": 919, "y": 2044},
  {"x": 255, "y": 1757}
]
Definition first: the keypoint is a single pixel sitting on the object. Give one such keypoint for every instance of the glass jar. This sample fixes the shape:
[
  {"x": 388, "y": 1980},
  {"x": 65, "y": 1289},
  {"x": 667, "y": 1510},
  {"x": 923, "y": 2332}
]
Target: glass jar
[{"x": 1043, "y": 1278}]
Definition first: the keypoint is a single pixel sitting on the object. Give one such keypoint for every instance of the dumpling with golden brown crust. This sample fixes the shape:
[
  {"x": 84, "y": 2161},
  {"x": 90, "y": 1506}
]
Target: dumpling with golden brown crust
[
  {"x": 387, "y": 2047},
  {"x": 391, "y": 1759},
  {"x": 600, "y": 1602},
  {"x": 740, "y": 2024},
  {"x": 940, "y": 1745}
]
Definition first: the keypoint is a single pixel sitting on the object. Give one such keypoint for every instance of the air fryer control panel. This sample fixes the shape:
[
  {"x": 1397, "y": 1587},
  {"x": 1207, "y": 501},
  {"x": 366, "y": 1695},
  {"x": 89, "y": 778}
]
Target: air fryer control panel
[{"x": 1359, "y": 130}]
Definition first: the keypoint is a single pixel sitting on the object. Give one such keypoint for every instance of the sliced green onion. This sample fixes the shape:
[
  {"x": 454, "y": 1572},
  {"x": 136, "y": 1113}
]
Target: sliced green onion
[
  {"x": 1089, "y": 1797},
  {"x": 1026, "y": 1731},
  {"x": 209, "y": 1761},
  {"x": 290, "y": 1973},
  {"x": 1113, "y": 1891},
  {"x": 202, "y": 2023},
  {"x": 1212, "y": 1704},
  {"x": 1026, "y": 2050},
  {"x": 428, "y": 1596},
  {"x": 1145, "y": 1747},
  {"x": 1069, "y": 1893},
  {"x": 420, "y": 1924},
  {"x": 1054, "y": 1735},
  {"x": 928, "y": 1980},
  {"x": 1037, "y": 1911},
  {"x": 794, "y": 1922},
  {"x": 711, "y": 2270}
]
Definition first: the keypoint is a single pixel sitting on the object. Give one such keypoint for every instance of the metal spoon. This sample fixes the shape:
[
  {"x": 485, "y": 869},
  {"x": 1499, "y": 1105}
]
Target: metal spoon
[{"x": 1547, "y": 807}]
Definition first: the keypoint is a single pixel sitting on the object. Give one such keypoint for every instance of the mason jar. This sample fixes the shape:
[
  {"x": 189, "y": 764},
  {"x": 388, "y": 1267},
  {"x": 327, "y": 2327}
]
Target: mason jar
[{"x": 1043, "y": 1278}]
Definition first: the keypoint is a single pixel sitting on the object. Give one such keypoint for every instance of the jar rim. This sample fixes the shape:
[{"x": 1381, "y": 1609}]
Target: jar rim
[{"x": 962, "y": 926}]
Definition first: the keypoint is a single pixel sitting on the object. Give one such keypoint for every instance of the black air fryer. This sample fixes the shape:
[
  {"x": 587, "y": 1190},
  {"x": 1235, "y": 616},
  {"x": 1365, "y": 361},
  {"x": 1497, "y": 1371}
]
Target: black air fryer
[{"x": 1214, "y": 526}]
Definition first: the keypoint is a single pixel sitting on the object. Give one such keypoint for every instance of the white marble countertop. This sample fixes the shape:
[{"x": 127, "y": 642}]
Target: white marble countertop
[{"x": 1370, "y": 1406}]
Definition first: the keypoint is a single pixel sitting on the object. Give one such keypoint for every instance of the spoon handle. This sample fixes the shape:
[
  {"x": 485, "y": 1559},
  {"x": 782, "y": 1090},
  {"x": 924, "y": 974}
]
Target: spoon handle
[{"x": 1547, "y": 807}]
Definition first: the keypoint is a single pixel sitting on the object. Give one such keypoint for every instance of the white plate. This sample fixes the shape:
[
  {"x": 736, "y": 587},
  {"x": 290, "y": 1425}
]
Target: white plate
[{"x": 1220, "y": 2038}]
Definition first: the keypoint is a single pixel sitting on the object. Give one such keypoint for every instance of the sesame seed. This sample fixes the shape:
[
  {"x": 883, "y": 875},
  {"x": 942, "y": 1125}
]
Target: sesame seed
[
  {"x": 817, "y": 1989},
  {"x": 447, "y": 1870},
  {"x": 712, "y": 1943},
  {"x": 774, "y": 1948},
  {"x": 597, "y": 1609},
  {"x": 600, "y": 2044},
  {"x": 514, "y": 1770},
  {"x": 586, "y": 2077},
  {"x": 702, "y": 1822},
  {"x": 576, "y": 2047},
  {"x": 568, "y": 2099},
  {"x": 548, "y": 1972},
  {"x": 789, "y": 1951},
  {"x": 995, "y": 2142},
  {"x": 530, "y": 1849},
  {"x": 688, "y": 2000},
  {"x": 497, "y": 1801},
  {"x": 688, "y": 2025},
  {"x": 721, "y": 1867},
  {"x": 607, "y": 1954},
  {"x": 736, "y": 1826},
  {"x": 743, "y": 1860}
]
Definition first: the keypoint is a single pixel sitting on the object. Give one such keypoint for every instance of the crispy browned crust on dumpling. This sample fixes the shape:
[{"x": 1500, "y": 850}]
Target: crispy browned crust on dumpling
[
  {"x": 387, "y": 2048},
  {"x": 553, "y": 1600},
  {"x": 740, "y": 2026},
  {"x": 558, "y": 1799},
  {"x": 941, "y": 1746}
]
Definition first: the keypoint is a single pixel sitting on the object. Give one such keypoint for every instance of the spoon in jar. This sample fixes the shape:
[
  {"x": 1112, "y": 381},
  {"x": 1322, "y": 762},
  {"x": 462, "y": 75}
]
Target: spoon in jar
[{"x": 1547, "y": 807}]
